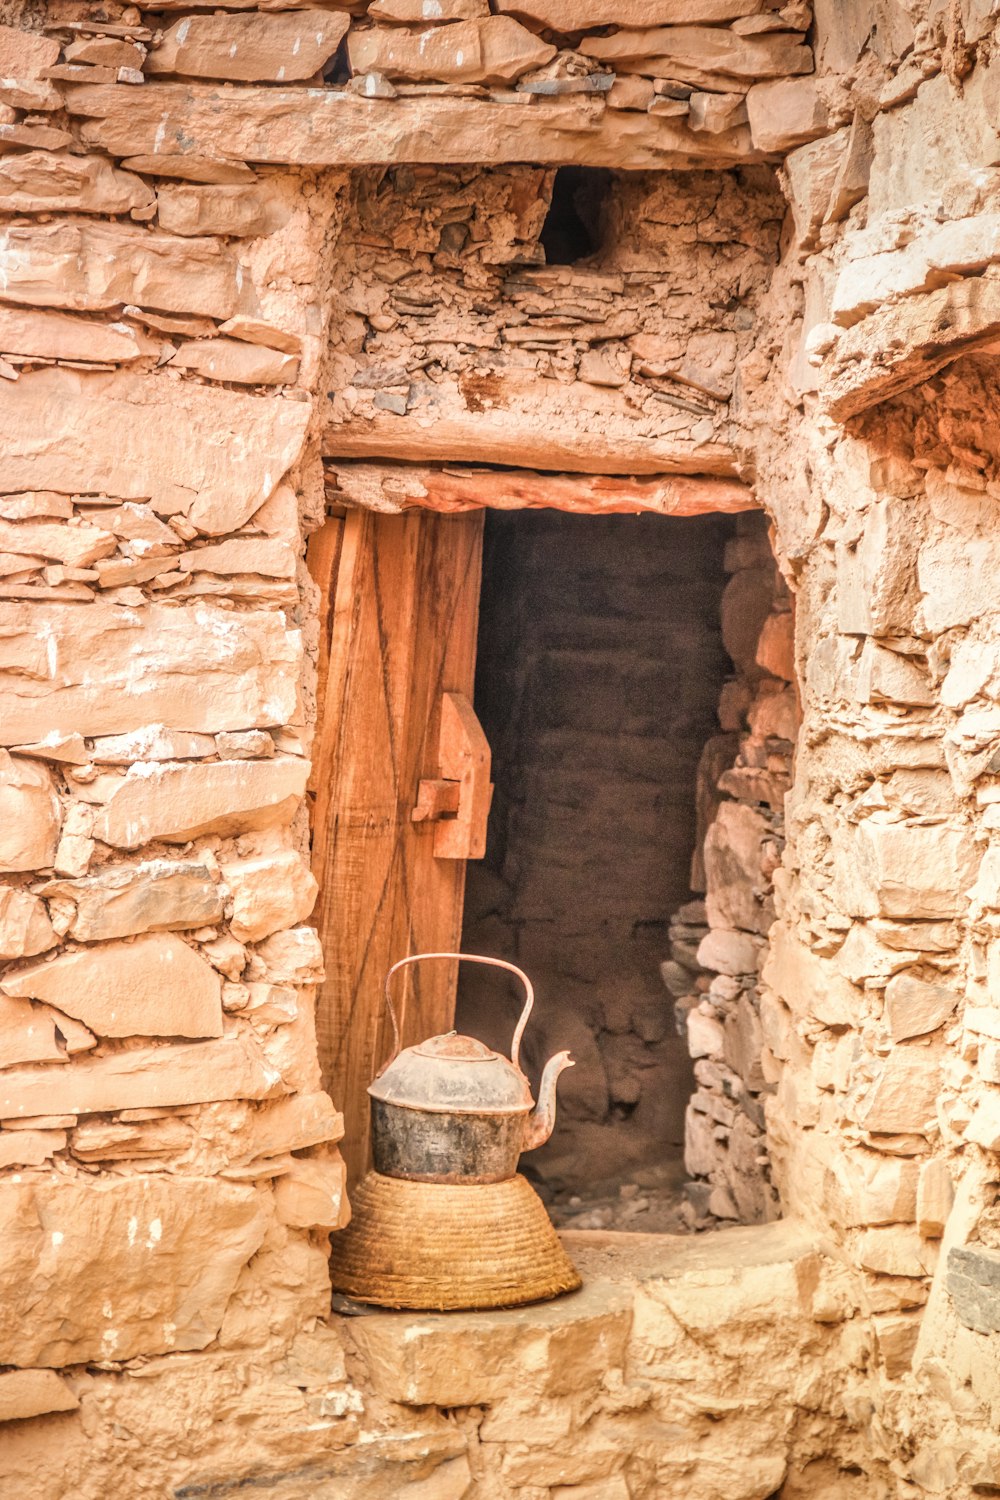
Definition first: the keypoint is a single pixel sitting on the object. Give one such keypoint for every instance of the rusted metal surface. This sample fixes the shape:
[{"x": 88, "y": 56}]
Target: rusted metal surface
[{"x": 452, "y": 1110}]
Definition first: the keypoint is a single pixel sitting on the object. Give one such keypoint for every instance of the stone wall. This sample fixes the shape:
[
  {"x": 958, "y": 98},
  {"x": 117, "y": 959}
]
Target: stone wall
[
  {"x": 718, "y": 946},
  {"x": 457, "y": 343},
  {"x": 169, "y": 316}
]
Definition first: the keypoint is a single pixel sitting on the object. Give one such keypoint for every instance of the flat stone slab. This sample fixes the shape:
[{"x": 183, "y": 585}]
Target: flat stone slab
[{"x": 973, "y": 1282}]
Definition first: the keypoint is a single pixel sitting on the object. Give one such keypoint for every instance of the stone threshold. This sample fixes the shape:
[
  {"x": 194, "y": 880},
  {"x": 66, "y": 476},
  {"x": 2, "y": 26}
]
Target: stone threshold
[{"x": 459, "y": 1359}]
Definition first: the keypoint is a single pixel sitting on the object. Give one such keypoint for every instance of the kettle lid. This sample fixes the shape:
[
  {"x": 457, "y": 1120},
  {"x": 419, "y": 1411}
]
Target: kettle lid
[{"x": 453, "y": 1074}]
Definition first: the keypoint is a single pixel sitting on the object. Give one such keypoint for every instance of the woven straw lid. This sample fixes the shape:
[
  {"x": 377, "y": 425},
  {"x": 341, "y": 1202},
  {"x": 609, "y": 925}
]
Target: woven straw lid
[{"x": 445, "y": 1246}]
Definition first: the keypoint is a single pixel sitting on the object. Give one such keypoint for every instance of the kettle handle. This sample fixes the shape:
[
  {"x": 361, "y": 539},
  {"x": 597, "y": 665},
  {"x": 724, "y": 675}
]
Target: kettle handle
[{"x": 470, "y": 958}]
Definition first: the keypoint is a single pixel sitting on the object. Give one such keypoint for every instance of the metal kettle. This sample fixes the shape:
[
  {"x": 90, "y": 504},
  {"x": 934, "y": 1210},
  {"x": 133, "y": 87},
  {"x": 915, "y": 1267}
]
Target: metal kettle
[{"x": 450, "y": 1109}]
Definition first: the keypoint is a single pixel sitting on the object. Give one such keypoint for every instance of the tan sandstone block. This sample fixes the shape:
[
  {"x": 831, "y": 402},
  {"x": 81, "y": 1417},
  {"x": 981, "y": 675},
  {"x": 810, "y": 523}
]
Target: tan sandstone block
[
  {"x": 23, "y": 54},
  {"x": 914, "y": 1007},
  {"x": 699, "y": 54},
  {"x": 809, "y": 984},
  {"x": 25, "y": 928},
  {"x": 896, "y": 1339},
  {"x": 194, "y": 667},
  {"x": 244, "y": 212},
  {"x": 56, "y": 182},
  {"x": 148, "y": 437},
  {"x": 903, "y": 1095},
  {"x": 154, "y": 985},
  {"x": 232, "y": 361},
  {"x": 581, "y": 15},
  {"x": 786, "y": 113},
  {"x": 250, "y": 48},
  {"x": 29, "y": 814},
  {"x": 178, "y": 802},
  {"x": 311, "y": 1194},
  {"x": 496, "y": 50},
  {"x": 291, "y": 1124},
  {"x": 234, "y": 1067},
  {"x": 344, "y": 130},
  {"x": 417, "y": 12},
  {"x": 269, "y": 893},
  {"x": 108, "y": 1270},
  {"x": 53, "y": 335},
  {"x": 269, "y": 556},
  {"x": 896, "y": 1251},
  {"x": 155, "y": 896},
  {"x": 27, "y": 1034},
  {"x": 91, "y": 266},
  {"x": 30, "y": 1148},
  {"x": 872, "y": 1189},
  {"x": 935, "y": 1195},
  {"x": 77, "y": 546},
  {"x": 913, "y": 870},
  {"x": 33, "y": 1393},
  {"x": 544, "y": 1351}
]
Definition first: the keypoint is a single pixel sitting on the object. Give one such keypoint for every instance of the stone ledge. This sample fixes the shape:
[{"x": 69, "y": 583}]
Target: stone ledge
[
  {"x": 569, "y": 1345},
  {"x": 329, "y": 128}
]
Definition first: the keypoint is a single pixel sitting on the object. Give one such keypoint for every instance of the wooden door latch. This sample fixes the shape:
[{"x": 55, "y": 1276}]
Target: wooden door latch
[{"x": 458, "y": 801}]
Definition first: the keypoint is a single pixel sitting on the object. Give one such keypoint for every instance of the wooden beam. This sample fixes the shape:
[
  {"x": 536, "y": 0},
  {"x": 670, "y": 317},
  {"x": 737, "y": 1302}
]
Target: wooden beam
[
  {"x": 392, "y": 488},
  {"x": 329, "y": 127},
  {"x": 519, "y": 440}
]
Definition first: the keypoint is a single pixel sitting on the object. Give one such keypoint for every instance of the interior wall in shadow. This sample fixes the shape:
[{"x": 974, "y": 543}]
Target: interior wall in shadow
[{"x": 599, "y": 670}]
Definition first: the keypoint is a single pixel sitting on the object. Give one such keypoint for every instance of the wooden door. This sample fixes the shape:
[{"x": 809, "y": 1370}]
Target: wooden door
[{"x": 402, "y": 603}]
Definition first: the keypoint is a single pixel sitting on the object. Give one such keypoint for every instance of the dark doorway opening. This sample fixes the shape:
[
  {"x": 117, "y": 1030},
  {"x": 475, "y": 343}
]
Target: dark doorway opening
[
  {"x": 573, "y": 228},
  {"x": 599, "y": 669}
]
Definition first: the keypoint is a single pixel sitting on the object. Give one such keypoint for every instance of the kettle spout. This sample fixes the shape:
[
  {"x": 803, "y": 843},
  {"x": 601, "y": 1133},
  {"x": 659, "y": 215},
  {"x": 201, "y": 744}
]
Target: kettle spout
[{"x": 543, "y": 1117}]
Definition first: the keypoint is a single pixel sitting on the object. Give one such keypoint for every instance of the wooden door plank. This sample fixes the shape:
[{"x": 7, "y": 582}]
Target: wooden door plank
[{"x": 405, "y": 612}]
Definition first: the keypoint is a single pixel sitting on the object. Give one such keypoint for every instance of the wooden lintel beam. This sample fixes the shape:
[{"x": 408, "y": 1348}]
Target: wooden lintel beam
[{"x": 393, "y": 488}]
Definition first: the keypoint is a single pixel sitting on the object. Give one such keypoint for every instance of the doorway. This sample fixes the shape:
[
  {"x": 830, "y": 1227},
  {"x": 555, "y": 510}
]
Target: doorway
[
  {"x": 600, "y": 665},
  {"x": 635, "y": 677}
]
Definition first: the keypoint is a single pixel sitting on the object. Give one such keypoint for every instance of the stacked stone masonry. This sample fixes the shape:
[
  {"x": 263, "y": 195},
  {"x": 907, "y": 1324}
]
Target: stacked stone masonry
[
  {"x": 184, "y": 230},
  {"x": 719, "y": 945}
]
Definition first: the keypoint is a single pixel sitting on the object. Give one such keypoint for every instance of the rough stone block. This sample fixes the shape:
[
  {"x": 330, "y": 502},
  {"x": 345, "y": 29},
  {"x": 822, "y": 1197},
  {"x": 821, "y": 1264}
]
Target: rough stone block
[
  {"x": 148, "y": 437},
  {"x": 55, "y": 181},
  {"x": 545, "y": 1350},
  {"x": 155, "y": 896},
  {"x": 896, "y": 1339},
  {"x": 935, "y": 1195},
  {"x": 177, "y": 803},
  {"x": 33, "y": 1393},
  {"x": 495, "y": 50},
  {"x": 895, "y": 1251},
  {"x": 92, "y": 266},
  {"x": 25, "y": 928},
  {"x": 311, "y": 1194},
  {"x": 973, "y": 1282},
  {"x": 914, "y": 1007},
  {"x": 234, "y": 1067},
  {"x": 876, "y": 580},
  {"x": 250, "y": 48},
  {"x": 913, "y": 870},
  {"x": 192, "y": 667},
  {"x": 786, "y": 113},
  {"x": 154, "y": 985},
  {"x": 809, "y": 984},
  {"x": 903, "y": 1094},
  {"x": 94, "y": 1270},
  {"x": 733, "y": 859},
  {"x": 29, "y": 814}
]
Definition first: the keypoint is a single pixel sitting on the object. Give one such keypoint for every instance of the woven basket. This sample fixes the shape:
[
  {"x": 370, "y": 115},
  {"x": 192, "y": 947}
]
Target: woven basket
[{"x": 432, "y": 1245}]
